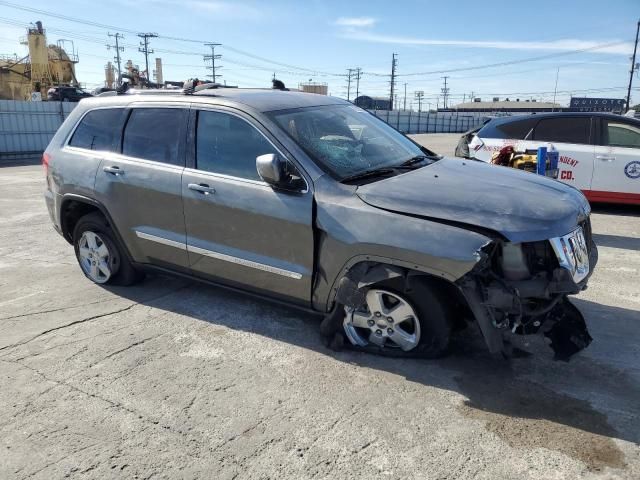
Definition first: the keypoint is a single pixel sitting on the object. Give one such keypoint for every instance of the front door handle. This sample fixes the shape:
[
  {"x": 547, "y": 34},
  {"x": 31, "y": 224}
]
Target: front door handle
[
  {"x": 202, "y": 188},
  {"x": 605, "y": 158},
  {"x": 115, "y": 170}
]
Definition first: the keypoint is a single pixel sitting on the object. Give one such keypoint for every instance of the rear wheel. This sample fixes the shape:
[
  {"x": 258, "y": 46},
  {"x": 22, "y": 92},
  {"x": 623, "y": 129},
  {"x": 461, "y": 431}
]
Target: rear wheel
[
  {"x": 396, "y": 323},
  {"x": 99, "y": 254}
]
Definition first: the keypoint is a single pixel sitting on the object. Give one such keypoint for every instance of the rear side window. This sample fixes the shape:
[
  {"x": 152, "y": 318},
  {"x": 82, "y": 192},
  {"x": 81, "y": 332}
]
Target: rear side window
[
  {"x": 622, "y": 135},
  {"x": 99, "y": 130},
  {"x": 563, "y": 130},
  {"x": 229, "y": 145},
  {"x": 513, "y": 129},
  {"x": 155, "y": 134}
]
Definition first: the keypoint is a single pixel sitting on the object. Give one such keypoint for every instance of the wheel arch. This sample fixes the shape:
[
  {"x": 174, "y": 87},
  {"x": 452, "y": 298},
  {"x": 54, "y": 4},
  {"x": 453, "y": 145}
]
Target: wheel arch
[
  {"x": 364, "y": 270},
  {"x": 73, "y": 207}
]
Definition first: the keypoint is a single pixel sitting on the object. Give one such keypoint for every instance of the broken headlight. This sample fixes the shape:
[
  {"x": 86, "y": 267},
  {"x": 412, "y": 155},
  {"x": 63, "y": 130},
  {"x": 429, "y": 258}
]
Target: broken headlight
[{"x": 573, "y": 253}]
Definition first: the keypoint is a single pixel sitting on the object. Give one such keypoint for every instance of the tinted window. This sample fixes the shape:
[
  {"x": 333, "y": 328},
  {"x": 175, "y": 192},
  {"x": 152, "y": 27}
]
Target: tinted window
[
  {"x": 513, "y": 129},
  {"x": 155, "y": 134},
  {"x": 99, "y": 130},
  {"x": 622, "y": 134},
  {"x": 229, "y": 145},
  {"x": 563, "y": 129}
]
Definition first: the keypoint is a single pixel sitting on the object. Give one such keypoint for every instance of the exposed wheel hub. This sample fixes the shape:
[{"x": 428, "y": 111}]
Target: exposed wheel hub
[{"x": 386, "y": 320}]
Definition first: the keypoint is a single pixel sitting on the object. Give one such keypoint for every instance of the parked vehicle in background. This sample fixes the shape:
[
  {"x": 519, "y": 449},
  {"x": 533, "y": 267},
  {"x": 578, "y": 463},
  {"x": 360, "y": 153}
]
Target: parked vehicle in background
[
  {"x": 67, "y": 94},
  {"x": 97, "y": 91},
  {"x": 599, "y": 152},
  {"x": 311, "y": 200}
]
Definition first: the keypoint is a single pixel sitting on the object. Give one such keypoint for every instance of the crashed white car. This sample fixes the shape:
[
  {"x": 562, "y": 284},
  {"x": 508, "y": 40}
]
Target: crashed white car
[{"x": 599, "y": 152}]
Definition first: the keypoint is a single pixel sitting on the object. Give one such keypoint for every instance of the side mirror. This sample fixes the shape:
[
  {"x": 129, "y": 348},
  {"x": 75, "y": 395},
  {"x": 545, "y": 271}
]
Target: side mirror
[{"x": 270, "y": 168}]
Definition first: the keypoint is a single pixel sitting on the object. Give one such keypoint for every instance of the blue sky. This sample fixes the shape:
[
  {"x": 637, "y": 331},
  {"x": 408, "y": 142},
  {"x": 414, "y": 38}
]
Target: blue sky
[{"x": 320, "y": 39}]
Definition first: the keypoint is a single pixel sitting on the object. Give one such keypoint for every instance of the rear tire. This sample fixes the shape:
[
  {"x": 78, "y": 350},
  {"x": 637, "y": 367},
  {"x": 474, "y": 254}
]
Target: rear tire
[
  {"x": 427, "y": 335},
  {"x": 100, "y": 255}
]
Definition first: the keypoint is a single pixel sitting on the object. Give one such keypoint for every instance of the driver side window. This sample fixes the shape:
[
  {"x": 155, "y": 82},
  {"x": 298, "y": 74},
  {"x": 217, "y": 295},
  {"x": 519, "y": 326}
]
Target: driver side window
[{"x": 228, "y": 145}]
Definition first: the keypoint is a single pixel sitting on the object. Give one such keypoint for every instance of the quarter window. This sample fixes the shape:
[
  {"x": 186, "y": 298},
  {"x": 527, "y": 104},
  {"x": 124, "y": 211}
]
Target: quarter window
[
  {"x": 155, "y": 134},
  {"x": 229, "y": 145},
  {"x": 623, "y": 135},
  {"x": 564, "y": 130},
  {"x": 99, "y": 130}
]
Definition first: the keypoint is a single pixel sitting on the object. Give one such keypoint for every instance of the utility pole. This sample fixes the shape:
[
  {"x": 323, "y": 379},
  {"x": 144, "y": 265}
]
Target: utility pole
[
  {"x": 118, "y": 49},
  {"x": 633, "y": 67},
  {"x": 144, "y": 48},
  {"x": 404, "y": 107},
  {"x": 555, "y": 90},
  {"x": 445, "y": 92},
  {"x": 349, "y": 73},
  {"x": 394, "y": 64},
  {"x": 358, "y": 72},
  {"x": 419, "y": 94},
  {"x": 213, "y": 57}
]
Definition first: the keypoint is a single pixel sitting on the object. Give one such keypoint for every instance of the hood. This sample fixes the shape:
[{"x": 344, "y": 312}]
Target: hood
[{"x": 521, "y": 206}]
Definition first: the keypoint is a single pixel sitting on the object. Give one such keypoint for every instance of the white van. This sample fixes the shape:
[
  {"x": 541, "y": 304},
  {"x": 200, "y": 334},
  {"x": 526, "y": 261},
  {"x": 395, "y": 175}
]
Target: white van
[{"x": 599, "y": 152}]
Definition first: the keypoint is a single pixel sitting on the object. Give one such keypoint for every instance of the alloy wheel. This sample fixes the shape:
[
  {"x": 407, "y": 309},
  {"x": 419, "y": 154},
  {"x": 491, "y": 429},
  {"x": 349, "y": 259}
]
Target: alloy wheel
[
  {"x": 386, "y": 320},
  {"x": 95, "y": 258}
]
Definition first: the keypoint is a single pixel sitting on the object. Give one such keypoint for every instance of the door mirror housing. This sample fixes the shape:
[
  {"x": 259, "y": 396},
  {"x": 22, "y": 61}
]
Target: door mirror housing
[{"x": 271, "y": 169}]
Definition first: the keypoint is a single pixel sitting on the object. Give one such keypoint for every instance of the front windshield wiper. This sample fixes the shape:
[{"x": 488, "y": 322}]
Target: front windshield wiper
[
  {"x": 374, "y": 172},
  {"x": 413, "y": 160}
]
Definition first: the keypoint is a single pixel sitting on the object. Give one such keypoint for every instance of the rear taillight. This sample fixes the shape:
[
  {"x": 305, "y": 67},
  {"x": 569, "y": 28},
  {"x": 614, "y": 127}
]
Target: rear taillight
[{"x": 46, "y": 159}]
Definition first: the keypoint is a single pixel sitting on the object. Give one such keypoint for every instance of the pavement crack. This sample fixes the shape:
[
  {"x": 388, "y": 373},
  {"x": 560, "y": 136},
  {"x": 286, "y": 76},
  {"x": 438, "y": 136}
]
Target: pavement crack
[
  {"x": 128, "y": 347},
  {"x": 60, "y": 309},
  {"x": 93, "y": 317},
  {"x": 67, "y": 325}
]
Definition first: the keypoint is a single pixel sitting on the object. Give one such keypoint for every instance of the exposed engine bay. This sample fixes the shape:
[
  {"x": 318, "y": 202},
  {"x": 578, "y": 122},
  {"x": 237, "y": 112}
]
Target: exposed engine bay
[
  {"x": 522, "y": 289},
  {"x": 514, "y": 289}
]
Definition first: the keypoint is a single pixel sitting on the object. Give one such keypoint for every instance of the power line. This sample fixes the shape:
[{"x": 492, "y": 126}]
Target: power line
[
  {"x": 506, "y": 63},
  {"x": 445, "y": 91},
  {"x": 394, "y": 64},
  {"x": 166, "y": 37},
  {"x": 633, "y": 67},
  {"x": 118, "y": 49},
  {"x": 213, "y": 57},
  {"x": 144, "y": 48}
]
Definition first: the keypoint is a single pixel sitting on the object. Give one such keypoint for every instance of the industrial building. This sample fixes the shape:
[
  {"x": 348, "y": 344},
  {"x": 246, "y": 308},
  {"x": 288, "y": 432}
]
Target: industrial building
[
  {"x": 314, "y": 87},
  {"x": 506, "y": 105},
  {"x": 30, "y": 77}
]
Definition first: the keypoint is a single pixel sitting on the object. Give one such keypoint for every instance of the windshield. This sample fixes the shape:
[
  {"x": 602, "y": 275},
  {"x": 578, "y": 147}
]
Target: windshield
[{"x": 345, "y": 139}]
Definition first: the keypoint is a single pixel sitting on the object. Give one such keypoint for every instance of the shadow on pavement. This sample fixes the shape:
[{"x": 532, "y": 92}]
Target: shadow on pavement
[
  {"x": 523, "y": 400},
  {"x": 616, "y": 241},
  {"x": 614, "y": 209}
]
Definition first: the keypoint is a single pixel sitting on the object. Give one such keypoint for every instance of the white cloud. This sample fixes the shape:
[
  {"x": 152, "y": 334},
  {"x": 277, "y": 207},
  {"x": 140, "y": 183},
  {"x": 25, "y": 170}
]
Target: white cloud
[
  {"x": 614, "y": 47},
  {"x": 355, "y": 22}
]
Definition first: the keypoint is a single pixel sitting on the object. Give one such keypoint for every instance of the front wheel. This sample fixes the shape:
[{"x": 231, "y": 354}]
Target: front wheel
[{"x": 413, "y": 323}]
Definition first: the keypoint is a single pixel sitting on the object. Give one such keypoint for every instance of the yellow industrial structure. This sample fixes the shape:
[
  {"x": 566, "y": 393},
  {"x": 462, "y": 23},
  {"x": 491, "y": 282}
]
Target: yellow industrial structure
[
  {"x": 315, "y": 87},
  {"x": 45, "y": 66}
]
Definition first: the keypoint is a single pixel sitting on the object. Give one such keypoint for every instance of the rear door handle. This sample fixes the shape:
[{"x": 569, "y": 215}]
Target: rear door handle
[
  {"x": 605, "y": 158},
  {"x": 202, "y": 188},
  {"x": 115, "y": 170}
]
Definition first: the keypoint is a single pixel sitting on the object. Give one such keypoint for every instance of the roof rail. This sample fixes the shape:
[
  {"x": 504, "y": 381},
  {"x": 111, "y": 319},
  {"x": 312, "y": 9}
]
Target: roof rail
[{"x": 190, "y": 88}]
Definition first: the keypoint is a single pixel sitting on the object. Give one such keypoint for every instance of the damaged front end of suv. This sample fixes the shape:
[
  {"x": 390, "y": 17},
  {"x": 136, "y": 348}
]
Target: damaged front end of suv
[{"x": 522, "y": 289}]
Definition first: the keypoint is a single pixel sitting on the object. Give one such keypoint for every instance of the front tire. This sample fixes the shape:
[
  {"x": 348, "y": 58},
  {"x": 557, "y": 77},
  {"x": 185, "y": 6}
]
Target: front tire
[
  {"x": 400, "y": 322},
  {"x": 99, "y": 254}
]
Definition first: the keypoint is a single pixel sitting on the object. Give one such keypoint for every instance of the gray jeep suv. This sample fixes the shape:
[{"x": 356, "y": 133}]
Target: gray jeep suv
[{"x": 311, "y": 200}]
